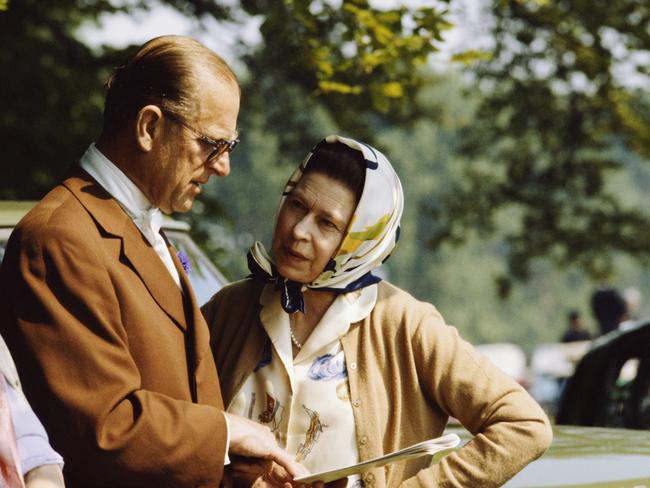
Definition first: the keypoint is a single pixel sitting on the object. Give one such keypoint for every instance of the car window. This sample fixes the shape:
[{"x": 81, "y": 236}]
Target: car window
[
  {"x": 634, "y": 386},
  {"x": 4, "y": 237},
  {"x": 623, "y": 376},
  {"x": 628, "y": 398}
]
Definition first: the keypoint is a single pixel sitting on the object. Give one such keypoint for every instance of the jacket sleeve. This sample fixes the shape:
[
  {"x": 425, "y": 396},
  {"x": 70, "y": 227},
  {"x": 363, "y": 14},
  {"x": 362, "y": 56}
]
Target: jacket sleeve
[
  {"x": 509, "y": 428},
  {"x": 63, "y": 314},
  {"x": 237, "y": 339}
]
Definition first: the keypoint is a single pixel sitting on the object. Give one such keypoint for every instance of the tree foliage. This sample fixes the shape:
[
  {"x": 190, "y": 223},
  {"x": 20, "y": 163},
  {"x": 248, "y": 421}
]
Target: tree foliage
[
  {"x": 565, "y": 106},
  {"x": 51, "y": 93},
  {"x": 337, "y": 52}
]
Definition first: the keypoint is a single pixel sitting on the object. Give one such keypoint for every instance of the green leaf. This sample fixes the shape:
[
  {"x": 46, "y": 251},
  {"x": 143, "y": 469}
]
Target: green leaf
[
  {"x": 393, "y": 89},
  {"x": 333, "y": 86},
  {"x": 471, "y": 56}
]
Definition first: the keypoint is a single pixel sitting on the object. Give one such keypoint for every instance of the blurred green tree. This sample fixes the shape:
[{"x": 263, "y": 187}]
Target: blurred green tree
[
  {"x": 51, "y": 93},
  {"x": 564, "y": 106},
  {"x": 360, "y": 63}
]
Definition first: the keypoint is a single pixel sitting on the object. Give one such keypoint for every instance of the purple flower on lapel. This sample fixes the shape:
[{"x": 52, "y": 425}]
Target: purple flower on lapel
[{"x": 185, "y": 261}]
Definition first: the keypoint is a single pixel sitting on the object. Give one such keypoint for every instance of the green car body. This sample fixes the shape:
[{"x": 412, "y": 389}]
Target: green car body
[{"x": 586, "y": 457}]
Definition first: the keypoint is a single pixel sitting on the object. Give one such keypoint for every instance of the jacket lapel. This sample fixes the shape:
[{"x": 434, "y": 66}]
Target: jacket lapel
[
  {"x": 198, "y": 328},
  {"x": 198, "y": 342},
  {"x": 137, "y": 251}
]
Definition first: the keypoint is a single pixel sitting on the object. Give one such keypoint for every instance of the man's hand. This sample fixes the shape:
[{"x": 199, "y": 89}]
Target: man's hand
[
  {"x": 250, "y": 439},
  {"x": 257, "y": 473}
]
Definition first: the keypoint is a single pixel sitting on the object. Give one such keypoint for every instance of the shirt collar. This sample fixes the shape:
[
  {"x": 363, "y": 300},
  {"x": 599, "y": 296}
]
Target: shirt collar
[
  {"x": 115, "y": 182},
  {"x": 347, "y": 309}
]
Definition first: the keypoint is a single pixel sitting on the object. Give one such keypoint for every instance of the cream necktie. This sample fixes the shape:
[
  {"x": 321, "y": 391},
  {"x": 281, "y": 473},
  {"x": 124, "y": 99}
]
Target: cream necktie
[{"x": 149, "y": 223}]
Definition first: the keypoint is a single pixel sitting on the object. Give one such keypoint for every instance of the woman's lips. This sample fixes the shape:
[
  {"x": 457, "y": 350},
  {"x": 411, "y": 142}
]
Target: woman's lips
[{"x": 295, "y": 255}]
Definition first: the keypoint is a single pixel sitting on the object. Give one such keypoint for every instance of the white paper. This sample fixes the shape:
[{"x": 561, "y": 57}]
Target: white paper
[{"x": 432, "y": 446}]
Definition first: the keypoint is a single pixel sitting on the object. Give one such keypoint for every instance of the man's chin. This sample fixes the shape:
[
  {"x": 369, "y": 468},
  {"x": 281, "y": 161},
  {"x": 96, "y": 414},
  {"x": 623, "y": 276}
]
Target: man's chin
[{"x": 184, "y": 206}]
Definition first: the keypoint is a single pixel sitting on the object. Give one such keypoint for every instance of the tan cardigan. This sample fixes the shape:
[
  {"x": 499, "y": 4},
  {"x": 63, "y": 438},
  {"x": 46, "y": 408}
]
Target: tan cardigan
[{"x": 408, "y": 372}]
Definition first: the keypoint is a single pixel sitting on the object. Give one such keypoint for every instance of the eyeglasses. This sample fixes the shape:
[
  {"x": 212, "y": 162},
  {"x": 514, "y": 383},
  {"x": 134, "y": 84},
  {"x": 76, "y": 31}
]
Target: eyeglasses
[{"x": 218, "y": 147}]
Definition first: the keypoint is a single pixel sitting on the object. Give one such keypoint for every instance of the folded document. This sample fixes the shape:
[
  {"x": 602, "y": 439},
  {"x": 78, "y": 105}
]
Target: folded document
[{"x": 432, "y": 446}]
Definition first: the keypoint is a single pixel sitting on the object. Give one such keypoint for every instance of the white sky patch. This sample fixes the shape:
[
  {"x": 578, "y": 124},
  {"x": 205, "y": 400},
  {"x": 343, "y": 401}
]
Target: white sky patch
[{"x": 120, "y": 30}]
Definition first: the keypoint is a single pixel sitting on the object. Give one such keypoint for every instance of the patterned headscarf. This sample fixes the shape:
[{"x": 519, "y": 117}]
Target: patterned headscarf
[{"x": 370, "y": 237}]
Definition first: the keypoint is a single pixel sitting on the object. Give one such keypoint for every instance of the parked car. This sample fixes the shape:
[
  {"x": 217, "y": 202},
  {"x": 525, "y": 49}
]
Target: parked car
[
  {"x": 205, "y": 277},
  {"x": 611, "y": 383}
]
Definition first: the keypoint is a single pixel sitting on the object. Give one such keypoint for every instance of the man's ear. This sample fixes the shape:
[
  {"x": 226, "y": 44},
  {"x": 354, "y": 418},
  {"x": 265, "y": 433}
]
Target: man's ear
[{"x": 148, "y": 127}]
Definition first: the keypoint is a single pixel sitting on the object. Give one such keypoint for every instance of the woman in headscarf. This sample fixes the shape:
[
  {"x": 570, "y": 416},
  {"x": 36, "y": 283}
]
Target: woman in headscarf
[{"x": 344, "y": 367}]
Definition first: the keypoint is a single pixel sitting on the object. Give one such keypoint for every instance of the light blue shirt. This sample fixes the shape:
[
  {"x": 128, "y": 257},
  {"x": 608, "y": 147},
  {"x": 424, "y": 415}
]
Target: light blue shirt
[{"x": 31, "y": 439}]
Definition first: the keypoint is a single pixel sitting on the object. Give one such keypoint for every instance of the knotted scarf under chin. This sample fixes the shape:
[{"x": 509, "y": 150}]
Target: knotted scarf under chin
[{"x": 291, "y": 297}]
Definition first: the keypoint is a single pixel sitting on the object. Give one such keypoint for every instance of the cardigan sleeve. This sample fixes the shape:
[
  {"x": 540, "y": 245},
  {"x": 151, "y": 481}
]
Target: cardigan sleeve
[{"x": 510, "y": 429}]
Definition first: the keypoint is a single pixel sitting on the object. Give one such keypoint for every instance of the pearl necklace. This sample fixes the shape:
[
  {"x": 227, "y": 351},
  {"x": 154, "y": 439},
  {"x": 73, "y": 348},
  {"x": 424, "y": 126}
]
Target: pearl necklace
[{"x": 293, "y": 338}]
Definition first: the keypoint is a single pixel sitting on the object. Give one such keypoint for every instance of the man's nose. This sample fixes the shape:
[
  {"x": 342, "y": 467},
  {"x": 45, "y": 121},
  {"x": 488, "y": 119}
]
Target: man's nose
[{"x": 221, "y": 165}]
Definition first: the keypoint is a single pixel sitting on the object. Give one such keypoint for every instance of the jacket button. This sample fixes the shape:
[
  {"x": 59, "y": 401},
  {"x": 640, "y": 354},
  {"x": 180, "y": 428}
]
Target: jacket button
[
  {"x": 353, "y": 366},
  {"x": 363, "y": 440},
  {"x": 356, "y": 403}
]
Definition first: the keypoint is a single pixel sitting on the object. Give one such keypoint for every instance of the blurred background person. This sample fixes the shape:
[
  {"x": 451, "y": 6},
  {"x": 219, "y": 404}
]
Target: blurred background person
[
  {"x": 609, "y": 309},
  {"x": 575, "y": 328}
]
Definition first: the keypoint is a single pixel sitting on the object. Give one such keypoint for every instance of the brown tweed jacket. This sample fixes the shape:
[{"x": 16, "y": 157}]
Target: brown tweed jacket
[{"x": 113, "y": 357}]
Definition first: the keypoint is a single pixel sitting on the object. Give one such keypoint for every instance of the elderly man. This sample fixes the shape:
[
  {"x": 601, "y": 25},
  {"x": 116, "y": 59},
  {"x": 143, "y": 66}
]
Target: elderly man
[{"x": 99, "y": 315}]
